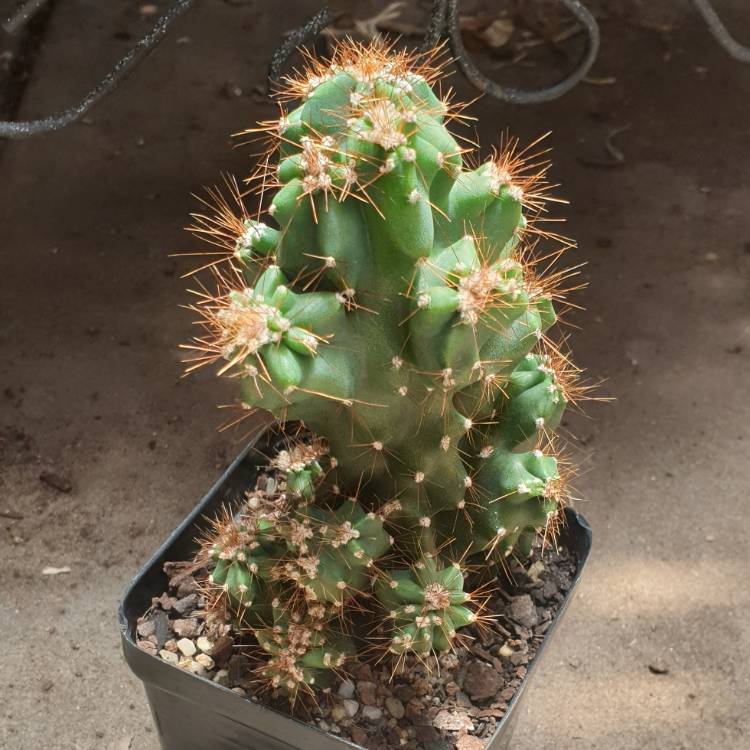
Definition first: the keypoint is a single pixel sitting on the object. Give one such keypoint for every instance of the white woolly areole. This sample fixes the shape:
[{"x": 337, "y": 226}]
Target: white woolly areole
[
  {"x": 253, "y": 231},
  {"x": 244, "y": 325},
  {"x": 476, "y": 292}
]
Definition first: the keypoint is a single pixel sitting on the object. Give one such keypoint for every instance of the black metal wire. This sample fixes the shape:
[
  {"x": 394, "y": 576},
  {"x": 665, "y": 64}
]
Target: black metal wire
[
  {"x": 295, "y": 39},
  {"x": 720, "y": 32},
  {"x": 24, "y": 129},
  {"x": 515, "y": 95},
  {"x": 444, "y": 23},
  {"x": 22, "y": 15}
]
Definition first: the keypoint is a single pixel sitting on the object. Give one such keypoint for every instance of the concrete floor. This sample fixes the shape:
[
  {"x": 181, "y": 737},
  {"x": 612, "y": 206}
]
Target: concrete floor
[{"x": 90, "y": 366}]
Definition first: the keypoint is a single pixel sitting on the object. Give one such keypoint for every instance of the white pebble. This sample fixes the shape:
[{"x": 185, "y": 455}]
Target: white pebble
[
  {"x": 205, "y": 661},
  {"x": 204, "y": 644},
  {"x": 346, "y": 689},
  {"x": 169, "y": 656},
  {"x": 186, "y": 646},
  {"x": 372, "y": 713},
  {"x": 351, "y": 707}
]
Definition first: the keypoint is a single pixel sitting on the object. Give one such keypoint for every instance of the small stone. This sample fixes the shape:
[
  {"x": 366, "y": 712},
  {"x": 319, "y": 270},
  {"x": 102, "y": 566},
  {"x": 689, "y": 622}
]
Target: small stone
[
  {"x": 338, "y": 712},
  {"x": 421, "y": 685},
  {"x": 148, "y": 646},
  {"x": 535, "y": 569},
  {"x": 359, "y": 735},
  {"x": 449, "y": 660},
  {"x": 239, "y": 691},
  {"x": 185, "y": 628},
  {"x": 451, "y": 688},
  {"x": 426, "y": 733},
  {"x": 162, "y": 629},
  {"x": 346, "y": 689},
  {"x": 169, "y": 656},
  {"x": 367, "y": 692},
  {"x": 171, "y": 645},
  {"x": 351, "y": 707},
  {"x": 204, "y": 644},
  {"x": 186, "y": 646},
  {"x": 146, "y": 628},
  {"x": 463, "y": 700},
  {"x": 363, "y": 672},
  {"x": 188, "y": 586},
  {"x": 505, "y": 651},
  {"x": 549, "y": 589},
  {"x": 395, "y": 708},
  {"x": 222, "y": 677},
  {"x": 453, "y": 721},
  {"x": 166, "y": 601},
  {"x": 404, "y": 693},
  {"x": 205, "y": 661},
  {"x": 196, "y": 668},
  {"x": 523, "y": 611},
  {"x": 372, "y": 713},
  {"x": 414, "y": 709},
  {"x": 482, "y": 681},
  {"x": 469, "y": 742},
  {"x": 185, "y": 604}
]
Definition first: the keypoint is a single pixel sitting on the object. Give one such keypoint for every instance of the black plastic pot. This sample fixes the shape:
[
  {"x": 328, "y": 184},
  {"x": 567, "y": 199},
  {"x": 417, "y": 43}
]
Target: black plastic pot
[{"x": 193, "y": 713}]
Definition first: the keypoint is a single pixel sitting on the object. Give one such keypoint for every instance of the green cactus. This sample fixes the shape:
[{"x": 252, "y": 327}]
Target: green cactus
[
  {"x": 304, "y": 650},
  {"x": 427, "y": 606},
  {"x": 390, "y": 302}
]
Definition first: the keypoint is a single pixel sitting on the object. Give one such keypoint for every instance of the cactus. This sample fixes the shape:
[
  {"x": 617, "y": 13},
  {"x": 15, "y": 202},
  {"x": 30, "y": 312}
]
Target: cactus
[
  {"x": 391, "y": 301},
  {"x": 304, "y": 650},
  {"x": 427, "y": 605}
]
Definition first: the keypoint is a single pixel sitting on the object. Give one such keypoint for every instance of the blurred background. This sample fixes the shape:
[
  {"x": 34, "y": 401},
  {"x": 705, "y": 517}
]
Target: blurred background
[{"x": 104, "y": 448}]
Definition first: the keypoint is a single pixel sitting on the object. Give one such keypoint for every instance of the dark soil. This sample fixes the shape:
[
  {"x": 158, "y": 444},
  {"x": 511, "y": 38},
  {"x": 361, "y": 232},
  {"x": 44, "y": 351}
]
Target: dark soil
[{"x": 451, "y": 702}]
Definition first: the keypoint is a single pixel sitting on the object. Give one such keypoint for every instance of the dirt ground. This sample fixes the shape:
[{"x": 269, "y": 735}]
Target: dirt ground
[{"x": 90, "y": 369}]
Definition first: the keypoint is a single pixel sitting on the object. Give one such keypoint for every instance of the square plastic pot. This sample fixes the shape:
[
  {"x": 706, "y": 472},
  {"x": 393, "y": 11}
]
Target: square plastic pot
[{"x": 193, "y": 713}]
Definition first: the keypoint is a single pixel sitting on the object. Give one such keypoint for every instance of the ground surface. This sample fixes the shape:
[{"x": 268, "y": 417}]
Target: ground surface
[{"x": 90, "y": 324}]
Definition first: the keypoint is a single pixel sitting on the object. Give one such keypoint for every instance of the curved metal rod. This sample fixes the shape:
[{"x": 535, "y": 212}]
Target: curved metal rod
[
  {"x": 437, "y": 25},
  {"x": 24, "y": 129},
  {"x": 515, "y": 95},
  {"x": 22, "y": 15},
  {"x": 295, "y": 39},
  {"x": 444, "y": 22},
  {"x": 720, "y": 32}
]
